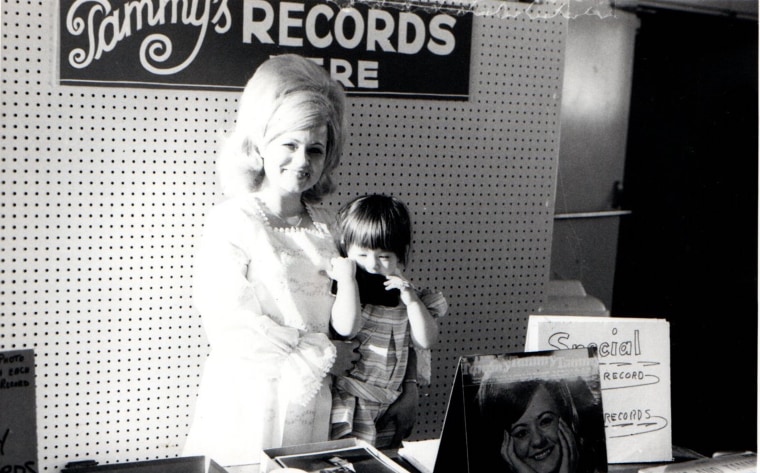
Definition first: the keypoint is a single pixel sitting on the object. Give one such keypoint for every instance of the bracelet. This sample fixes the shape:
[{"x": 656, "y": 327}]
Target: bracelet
[{"x": 410, "y": 381}]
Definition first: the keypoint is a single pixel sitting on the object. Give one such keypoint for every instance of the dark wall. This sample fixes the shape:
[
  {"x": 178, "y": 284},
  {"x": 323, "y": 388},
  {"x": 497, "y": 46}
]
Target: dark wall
[{"x": 688, "y": 253}]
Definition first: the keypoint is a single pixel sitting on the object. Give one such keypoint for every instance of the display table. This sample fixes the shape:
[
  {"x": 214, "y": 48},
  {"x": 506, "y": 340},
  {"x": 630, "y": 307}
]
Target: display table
[
  {"x": 679, "y": 454},
  {"x": 392, "y": 453},
  {"x": 243, "y": 469}
]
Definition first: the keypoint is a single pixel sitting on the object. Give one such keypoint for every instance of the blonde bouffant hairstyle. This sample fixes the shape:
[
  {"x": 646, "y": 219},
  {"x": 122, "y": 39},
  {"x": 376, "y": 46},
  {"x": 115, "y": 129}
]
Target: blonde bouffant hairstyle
[{"x": 287, "y": 86}]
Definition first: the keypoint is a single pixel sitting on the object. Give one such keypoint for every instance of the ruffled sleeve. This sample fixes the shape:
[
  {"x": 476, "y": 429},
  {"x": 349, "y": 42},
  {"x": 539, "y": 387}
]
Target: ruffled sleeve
[
  {"x": 234, "y": 321},
  {"x": 438, "y": 307}
]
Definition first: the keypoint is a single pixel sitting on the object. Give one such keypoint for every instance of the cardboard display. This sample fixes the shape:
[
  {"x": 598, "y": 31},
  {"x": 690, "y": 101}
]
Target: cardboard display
[
  {"x": 634, "y": 363},
  {"x": 18, "y": 414},
  {"x": 499, "y": 401}
]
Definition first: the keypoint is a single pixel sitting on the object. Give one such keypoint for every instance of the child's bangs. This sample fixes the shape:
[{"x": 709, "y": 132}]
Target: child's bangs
[
  {"x": 377, "y": 223},
  {"x": 372, "y": 234},
  {"x": 377, "y": 234}
]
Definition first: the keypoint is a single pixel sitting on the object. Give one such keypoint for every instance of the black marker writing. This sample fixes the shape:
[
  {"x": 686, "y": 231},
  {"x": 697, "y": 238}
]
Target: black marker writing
[{"x": 2, "y": 441}]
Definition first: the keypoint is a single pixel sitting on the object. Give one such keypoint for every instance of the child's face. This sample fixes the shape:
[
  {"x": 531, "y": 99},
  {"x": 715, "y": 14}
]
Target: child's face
[{"x": 374, "y": 261}]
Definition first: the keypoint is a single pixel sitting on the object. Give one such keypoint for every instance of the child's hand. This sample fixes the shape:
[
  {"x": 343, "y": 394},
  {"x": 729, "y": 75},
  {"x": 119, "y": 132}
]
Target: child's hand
[
  {"x": 346, "y": 356},
  {"x": 402, "y": 413},
  {"x": 343, "y": 269},
  {"x": 398, "y": 281}
]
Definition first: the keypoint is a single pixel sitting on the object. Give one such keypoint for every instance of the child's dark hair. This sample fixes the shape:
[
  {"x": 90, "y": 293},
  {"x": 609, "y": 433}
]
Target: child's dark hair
[{"x": 376, "y": 221}]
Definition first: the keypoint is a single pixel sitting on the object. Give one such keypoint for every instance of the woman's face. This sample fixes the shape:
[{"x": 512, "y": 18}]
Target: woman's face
[
  {"x": 536, "y": 433},
  {"x": 294, "y": 160}
]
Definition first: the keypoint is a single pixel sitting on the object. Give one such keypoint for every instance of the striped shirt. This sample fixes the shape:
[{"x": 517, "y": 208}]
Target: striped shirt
[{"x": 363, "y": 396}]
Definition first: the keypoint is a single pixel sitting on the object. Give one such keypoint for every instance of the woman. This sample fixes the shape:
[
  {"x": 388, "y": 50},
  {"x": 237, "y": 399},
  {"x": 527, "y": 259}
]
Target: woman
[
  {"x": 537, "y": 426},
  {"x": 261, "y": 282}
]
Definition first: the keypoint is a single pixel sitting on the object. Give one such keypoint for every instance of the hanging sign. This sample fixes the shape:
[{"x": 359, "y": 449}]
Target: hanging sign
[{"x": 373, "y": 49}]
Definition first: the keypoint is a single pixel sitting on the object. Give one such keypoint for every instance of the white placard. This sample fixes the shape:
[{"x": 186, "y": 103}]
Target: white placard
[{"x": 634, "y": 365}]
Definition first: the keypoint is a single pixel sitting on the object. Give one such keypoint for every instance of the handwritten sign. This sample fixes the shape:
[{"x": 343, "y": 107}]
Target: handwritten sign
[
  {"x": 634, "y": 365},
  {"x": 18, "y": 420}
]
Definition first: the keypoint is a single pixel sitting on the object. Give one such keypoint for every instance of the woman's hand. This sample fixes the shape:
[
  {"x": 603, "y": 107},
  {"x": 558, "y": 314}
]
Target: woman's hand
[
  {"x": 569, "y": 448},
  {"x": 510, "y": 456},
  {"x": 346, "y": 357},
  {"x": 403, "y": 413}
]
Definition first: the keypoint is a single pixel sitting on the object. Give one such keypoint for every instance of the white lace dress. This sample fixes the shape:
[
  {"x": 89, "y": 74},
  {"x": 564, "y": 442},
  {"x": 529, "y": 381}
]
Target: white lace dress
[{"x": 264, "y": 297}]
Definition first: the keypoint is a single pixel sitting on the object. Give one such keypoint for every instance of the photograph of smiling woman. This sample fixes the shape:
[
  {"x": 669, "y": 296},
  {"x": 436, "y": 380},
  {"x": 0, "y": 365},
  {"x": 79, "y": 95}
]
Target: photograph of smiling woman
[{"x": 537, "y": 425}]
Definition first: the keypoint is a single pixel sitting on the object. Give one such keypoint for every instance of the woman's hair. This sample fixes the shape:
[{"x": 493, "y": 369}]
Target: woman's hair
[
  {"x": 378, "y": 222},
  {"x": 504, "y": 403},
  {"x": 291, "y": 87}
]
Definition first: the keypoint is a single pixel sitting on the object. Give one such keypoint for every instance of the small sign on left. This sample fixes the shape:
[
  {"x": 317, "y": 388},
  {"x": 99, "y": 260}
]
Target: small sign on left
[{"x": 18, "y": 418}]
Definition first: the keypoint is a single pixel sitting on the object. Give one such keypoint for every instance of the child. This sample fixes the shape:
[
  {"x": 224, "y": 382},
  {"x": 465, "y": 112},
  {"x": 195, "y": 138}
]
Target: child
[{"x": 388, "y": 317}]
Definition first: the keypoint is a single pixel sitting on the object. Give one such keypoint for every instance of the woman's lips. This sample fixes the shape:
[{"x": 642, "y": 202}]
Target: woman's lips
[
  {"x": 542, "y": 455},
  {"x": 301, "y": 173}
]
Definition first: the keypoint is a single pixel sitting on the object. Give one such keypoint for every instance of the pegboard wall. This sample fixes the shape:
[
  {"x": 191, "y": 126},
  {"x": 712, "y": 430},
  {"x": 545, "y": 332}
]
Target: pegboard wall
[{"x": 104, "y": 191}]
